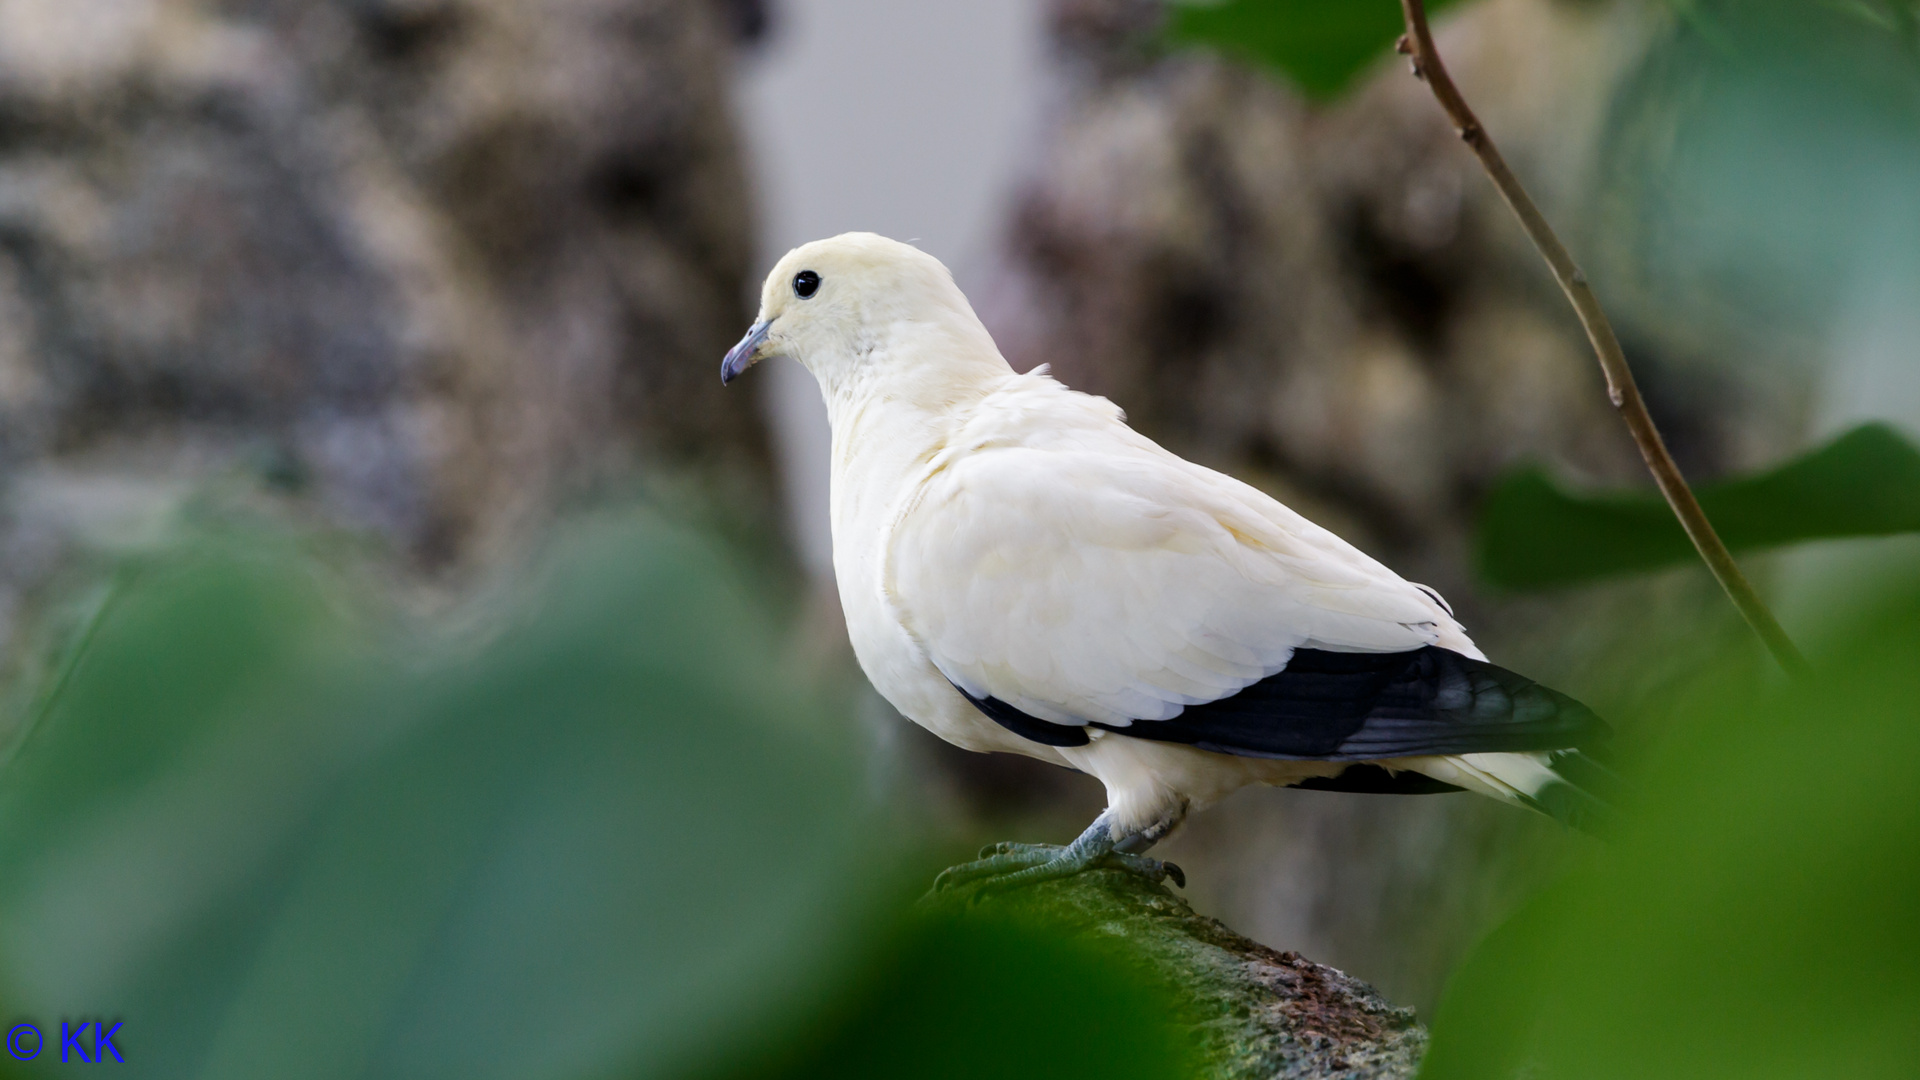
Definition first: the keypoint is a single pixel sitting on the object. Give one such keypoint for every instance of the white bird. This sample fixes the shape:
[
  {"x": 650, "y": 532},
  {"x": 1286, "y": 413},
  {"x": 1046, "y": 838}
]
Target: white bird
[{"x": 1023, "y": 572}]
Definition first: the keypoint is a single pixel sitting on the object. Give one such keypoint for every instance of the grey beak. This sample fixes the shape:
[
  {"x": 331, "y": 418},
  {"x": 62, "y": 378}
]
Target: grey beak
[{"x": 742, "y": 356}]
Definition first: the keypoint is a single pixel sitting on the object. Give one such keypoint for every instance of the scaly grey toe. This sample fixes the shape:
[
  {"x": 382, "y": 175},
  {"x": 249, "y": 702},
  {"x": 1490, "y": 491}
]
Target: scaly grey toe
[
  {"x": 996, "y": 865},
  {"x": 1009, "y": 847}
]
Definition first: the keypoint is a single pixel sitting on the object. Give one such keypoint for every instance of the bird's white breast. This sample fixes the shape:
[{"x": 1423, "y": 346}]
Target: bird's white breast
[
  {"x": 1017, "y": 539},
  {"x": 883, "y": 453}
]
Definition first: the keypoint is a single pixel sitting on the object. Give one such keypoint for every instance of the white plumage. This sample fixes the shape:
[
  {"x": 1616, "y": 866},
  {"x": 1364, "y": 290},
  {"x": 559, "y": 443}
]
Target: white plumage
[
  {"x": 1000, "y": 534},
  {"x": 1055, "y": 559}
]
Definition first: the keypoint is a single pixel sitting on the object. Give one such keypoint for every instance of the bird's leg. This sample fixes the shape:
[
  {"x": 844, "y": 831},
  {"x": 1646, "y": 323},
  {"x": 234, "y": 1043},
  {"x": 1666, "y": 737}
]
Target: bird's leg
[
  {"x": 1135, "y": 843},
  {"x": 1013, "y": 865}
]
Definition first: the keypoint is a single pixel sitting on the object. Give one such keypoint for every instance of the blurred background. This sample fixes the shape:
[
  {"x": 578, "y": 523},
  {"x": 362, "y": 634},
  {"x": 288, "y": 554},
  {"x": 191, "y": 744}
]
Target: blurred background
[{"x": 415, "y": 663}]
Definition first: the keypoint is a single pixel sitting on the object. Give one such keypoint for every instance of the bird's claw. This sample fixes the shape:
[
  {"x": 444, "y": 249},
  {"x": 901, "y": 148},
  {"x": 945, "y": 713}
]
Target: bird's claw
[{"x": 1153, "y": 870}]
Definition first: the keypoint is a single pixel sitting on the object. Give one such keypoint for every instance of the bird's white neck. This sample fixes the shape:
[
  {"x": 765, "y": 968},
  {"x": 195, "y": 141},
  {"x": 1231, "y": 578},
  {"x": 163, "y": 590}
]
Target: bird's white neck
[{"x": 893, "y": 408}]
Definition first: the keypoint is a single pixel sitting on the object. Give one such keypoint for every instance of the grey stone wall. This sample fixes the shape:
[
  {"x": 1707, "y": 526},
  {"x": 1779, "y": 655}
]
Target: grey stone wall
[{"x": 419, "y": 269}]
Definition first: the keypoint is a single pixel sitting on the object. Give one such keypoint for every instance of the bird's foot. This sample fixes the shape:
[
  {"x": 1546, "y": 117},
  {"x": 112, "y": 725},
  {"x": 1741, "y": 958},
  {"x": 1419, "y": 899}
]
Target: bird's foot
[
  {"x": 1011, "y": 866},
  {"x": 997, "y": 860},
  {"x": 1153, "y": 870}
]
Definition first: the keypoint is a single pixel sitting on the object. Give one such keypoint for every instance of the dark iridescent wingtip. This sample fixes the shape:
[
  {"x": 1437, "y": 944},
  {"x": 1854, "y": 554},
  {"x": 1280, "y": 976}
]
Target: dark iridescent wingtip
[{"x": 743, "y": 355}]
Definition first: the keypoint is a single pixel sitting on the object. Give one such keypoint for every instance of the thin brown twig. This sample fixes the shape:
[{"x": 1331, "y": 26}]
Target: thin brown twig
[{"x": 1621, "y": 389}]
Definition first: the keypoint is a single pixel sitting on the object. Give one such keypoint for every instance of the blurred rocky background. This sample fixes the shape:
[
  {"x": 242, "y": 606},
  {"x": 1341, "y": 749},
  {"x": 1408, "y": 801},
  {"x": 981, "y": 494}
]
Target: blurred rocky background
[
  {"x": 424, "y": 273},
  {"x": 418, "y": 270}
]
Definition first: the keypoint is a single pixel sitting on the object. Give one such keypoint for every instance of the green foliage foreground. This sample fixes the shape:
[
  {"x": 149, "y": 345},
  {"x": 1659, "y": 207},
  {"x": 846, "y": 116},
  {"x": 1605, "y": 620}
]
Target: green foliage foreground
[
  {"x": 1755, "y": 916},
  {"x": 1321, "y": 45},
  {"x": 275, "y": 836},
  {"x": 1535, "y": 534}
]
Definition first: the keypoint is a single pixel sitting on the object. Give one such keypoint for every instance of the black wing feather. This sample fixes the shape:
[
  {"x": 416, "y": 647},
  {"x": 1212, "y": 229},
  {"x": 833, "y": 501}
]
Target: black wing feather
[
  {"x": 1339, "y": 706},
  {"x": 1026, "y": 725}
]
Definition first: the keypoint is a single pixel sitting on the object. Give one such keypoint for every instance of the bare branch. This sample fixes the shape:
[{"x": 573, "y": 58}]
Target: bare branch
[{"x": 1621, "y": 389}]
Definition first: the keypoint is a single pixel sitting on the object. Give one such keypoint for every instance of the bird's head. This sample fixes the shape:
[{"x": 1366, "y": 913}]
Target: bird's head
[{"x": 842, "y": 304}]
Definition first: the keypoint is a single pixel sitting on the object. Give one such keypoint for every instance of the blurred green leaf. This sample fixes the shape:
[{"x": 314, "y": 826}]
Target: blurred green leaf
[
  {"x": 1754, "y": 917},
  {"x": 1534, "y": 534},
  {"x": 987, "y": 995},
  {"x": 1899, "y": 18},
  {"x": 1761, "y": 169},
  {"x": 278, "y": 840},
  {"x": 1318, "y": 44}
]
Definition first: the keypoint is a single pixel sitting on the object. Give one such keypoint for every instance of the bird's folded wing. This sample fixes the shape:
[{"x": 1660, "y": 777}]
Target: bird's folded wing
[
  {"x": 1095, "y": 578},
  {"x": 1335, "y": 706}
]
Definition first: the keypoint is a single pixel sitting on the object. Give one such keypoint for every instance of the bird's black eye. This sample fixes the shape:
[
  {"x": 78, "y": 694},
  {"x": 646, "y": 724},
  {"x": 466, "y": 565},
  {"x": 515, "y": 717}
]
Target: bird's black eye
[{"x": 805, "y": 284}]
